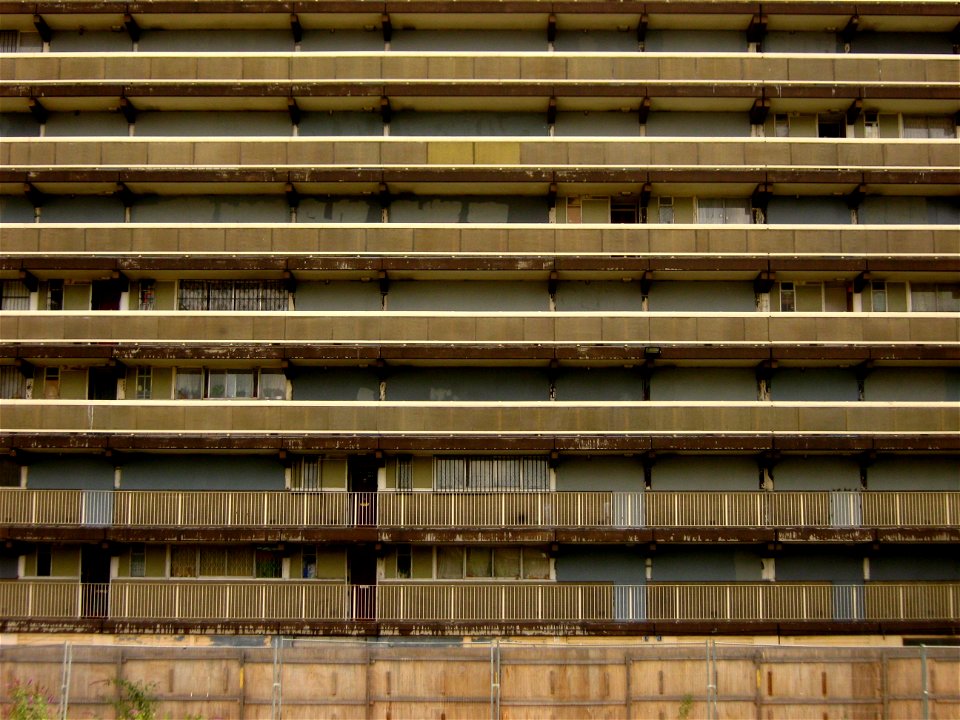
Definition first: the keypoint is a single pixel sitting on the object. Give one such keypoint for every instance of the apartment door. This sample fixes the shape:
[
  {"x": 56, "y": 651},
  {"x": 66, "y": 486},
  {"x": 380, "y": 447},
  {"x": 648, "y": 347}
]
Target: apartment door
[
  {"x": 362, "y": 482},
  {"x": 95, "y": 580},
  {"x": 362, "y": 570}
]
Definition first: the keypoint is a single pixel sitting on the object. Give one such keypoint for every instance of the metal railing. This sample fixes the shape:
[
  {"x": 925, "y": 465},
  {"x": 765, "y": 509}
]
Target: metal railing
[
  {"x": 174, "y": 508},
  {"x": 435, "y": 602}
]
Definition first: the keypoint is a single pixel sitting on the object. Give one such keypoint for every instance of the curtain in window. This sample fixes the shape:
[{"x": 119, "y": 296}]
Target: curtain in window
[
  {"x": 449, "y": 563},
  {"x": 16, "y": 296}
]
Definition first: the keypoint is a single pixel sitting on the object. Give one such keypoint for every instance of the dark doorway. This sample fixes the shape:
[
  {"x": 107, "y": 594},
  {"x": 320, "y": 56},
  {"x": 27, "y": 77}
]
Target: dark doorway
[
  {"x": 831, "y": 125},
  {"x": 362, "y": 481},
  {"x": 362, "y": 567},
  {"x": 95, "y": 578},
  {"x": 362, "y": 472},
  {"x": 102, "y": 383},
  {"x": 106, "y": 294}
]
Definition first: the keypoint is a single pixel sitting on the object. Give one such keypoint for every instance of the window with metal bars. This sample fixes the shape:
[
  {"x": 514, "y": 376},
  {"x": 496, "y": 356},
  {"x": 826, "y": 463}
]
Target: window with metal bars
[
  {"x": 306, "y": 473},
  {"x": 482, "y": 473},
  {"x": 230, "y": 295},
  {"x": 477, "y": 563},
  {"x": 219, "y": 561}
]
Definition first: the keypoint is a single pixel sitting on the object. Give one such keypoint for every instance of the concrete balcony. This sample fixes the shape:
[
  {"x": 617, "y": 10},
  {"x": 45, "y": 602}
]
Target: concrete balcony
[
  {"x": 582, "y": 420},
  {"x": 440, "y": 607},
  {"x": 421, "y": 327},
  {"x": 465, "y": 67},
  {"x": 800, "y": 158},
  {"x": 301, "y": 246},
  {"x": 490, "y": 517}
]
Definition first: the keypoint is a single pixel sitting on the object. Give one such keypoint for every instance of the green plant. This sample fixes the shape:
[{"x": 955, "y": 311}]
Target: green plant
[
  {"x": 28, "y": 702},
  {"x": 686, "y": 705},
  {"x": 136, "y": 701}
]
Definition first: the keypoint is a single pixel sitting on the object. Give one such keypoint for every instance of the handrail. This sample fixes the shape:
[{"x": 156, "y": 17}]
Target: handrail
[
  {"x": 394, "y": 509},
  {"x": 202, "y": 600}
]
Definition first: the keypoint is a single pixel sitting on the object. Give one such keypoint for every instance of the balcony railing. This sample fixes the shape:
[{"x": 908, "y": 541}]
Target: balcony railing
[
  {"x": 564, "y": 509},
  {"x": 515, "y": 602}
]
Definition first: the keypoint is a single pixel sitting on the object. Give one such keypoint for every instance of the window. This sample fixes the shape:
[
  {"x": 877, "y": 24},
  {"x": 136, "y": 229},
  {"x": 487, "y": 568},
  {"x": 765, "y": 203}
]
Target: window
[
  {"x": 138, "y": 560},
  {"x": 871, "y": 124},
  {"x": 13, "y": 385},
  {"x": 44, "y": 561},
  {"x": 405, "y": 473},
  {"x": 55, "y": 295},
  {"x": 12, "y": 41},
  {"x": 404, "y": 561},
  {"x": 51, "y": 383},
  {"x": 147, "y": 295},
  {"x": 809, "y": 297},
  {"x": 309, "y": 569},
  {"x": 247, "y": 295},
  {"x": 935, "y": 297},
  {"x": 226, "y": 384},
  {"x": 934, "y": 127},
  {"x": 885, "y": 297},
  {"x": 223, "y": 561},
  {"x": 485, "y": 563},
  {"x": 724, "y": 211},
  {"x": 781, "y": 125},
  {"x": 267, "y": 563},
  {"x": 144, "y": 389},
  {"x": 229, "y": 384},
  {"x": 273, "y": 385},
  {"x": 491, "y": 473},
  {"x": 624, "y": 212},
  {"x": 15, "y": 296},
  {"x": 189, "y": 384},
  {"x": 665, "y": 210},
  {"x": 307, "y": 473},
  {"x": 9, "y": 41}
]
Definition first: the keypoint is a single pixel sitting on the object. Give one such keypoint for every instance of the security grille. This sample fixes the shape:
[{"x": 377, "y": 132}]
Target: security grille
[{"x": 491, "y": 473}]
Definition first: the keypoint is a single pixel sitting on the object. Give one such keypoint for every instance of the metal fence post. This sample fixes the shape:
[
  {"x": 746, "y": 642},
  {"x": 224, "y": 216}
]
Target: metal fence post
[
  {"x": 925, "y": 700},
  {"x": 65, "y": 673},
  {"x": 276, "y": 698},
  {"x": 495, "y": 679}
]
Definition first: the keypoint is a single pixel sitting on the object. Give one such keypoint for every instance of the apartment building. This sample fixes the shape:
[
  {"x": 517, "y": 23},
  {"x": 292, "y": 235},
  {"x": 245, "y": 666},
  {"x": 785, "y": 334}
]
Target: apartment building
[{"x": 493, "y": 318}]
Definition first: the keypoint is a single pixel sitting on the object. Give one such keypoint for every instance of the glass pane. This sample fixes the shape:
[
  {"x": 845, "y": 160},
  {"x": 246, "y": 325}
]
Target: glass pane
[
  {"x": 273, "y": 385},
  {"x": 536, "y": 564},
  {"x": 189, "y": 384},
  {"x": 923, "y": 297},
  {"x": 506, "y": 562},
  {"x": 449, "y": 563},
  {"x": 948, "y": 298},
  {"x": 788, "y": 298},
  {"x": 737, "y": 211},
  {"x": 710, "y": 210},
  {"x": 217, "y": 384},
  {"x": 240, "y": 384},
  {"x": 450, "y": 473},
  {"x": 479, "y": 563}
]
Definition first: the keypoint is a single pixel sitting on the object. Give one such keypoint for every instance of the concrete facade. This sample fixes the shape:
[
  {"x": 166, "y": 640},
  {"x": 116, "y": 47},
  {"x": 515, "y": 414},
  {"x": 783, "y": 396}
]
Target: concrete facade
[{"x": 517, "y": 318}]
